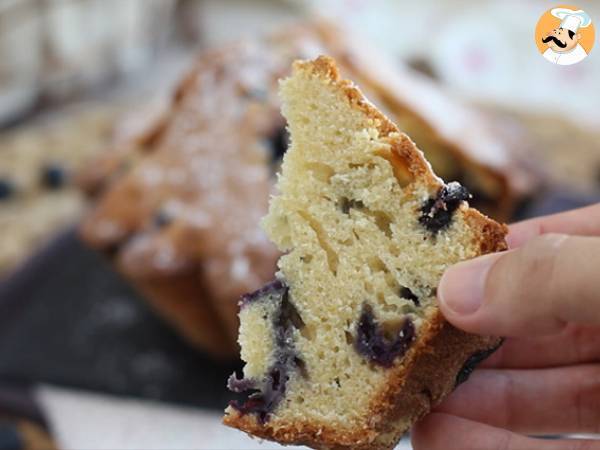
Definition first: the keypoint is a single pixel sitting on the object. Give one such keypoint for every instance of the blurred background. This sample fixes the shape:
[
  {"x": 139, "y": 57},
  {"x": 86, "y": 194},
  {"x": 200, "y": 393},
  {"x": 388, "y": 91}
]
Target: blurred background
[{"x": 85, "y": 360}]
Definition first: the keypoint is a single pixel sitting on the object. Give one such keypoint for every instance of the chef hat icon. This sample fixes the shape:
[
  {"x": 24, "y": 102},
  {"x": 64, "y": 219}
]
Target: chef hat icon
[{"x": 572, "y": 20}]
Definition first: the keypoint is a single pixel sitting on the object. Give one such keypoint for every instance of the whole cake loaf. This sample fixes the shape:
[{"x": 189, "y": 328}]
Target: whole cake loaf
[
  {"x": 179, "y": 209},
  {"x": 347, "y": 348}
]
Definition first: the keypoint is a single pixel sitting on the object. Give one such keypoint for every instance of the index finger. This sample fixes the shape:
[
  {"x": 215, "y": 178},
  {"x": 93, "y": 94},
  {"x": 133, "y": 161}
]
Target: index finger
[
  {"x": 537, "y": 289},
  {"x": 581, "y": 222}
]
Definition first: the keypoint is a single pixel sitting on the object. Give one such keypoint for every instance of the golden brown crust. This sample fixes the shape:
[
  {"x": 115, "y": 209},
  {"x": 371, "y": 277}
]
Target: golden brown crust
[
  {"x": 492, "y": 233},
  {"x": 429, "y": 370}
]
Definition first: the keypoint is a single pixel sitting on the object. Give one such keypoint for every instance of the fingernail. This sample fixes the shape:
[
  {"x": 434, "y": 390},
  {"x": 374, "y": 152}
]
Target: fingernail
[{"x": 461, "y": 288}]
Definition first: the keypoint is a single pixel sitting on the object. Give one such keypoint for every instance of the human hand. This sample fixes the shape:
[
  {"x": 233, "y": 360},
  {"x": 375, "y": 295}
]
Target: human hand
[{"x": 544, "y": 296}]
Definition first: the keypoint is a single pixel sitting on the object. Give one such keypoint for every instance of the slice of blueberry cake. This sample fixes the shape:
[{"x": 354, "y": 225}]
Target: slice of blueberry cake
[{"x": 347, "y": 347}]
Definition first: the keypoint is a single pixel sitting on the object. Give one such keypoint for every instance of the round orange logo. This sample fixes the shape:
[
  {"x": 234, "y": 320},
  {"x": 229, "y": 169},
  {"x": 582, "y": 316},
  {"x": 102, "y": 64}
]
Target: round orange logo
[{"x": 565, "y": 35}]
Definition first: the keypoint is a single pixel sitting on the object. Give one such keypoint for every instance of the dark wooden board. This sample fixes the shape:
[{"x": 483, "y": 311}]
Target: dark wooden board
[{"x": 67, "y": 318}]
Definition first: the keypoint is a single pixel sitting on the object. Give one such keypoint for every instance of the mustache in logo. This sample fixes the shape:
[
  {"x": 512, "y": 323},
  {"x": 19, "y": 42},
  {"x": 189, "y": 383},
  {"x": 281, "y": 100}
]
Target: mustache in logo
[{"x": 556, "y": 41}]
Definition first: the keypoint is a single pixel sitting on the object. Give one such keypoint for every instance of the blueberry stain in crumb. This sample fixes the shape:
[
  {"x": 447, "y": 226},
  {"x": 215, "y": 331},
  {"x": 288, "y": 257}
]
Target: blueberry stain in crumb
[
  {"x": 408, "y": 294},
  {"x": 53, "y": 176},
  {"x": 371, "y": 342},
  {"x": 263, "y": 396},
  {"x": 274, "y": 288},
  {"x": 7, "y": 189},
  {"x": 436, "y": 213}
]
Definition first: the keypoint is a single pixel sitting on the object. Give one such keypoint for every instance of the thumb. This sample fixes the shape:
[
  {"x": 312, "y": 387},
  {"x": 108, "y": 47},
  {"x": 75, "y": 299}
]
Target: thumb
[{"x": 536, "y": 289}]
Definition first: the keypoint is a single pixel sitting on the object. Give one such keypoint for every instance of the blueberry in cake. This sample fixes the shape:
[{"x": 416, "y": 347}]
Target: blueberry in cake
[
  {"x": 53, "y": 176},
  {"x": 347, "y": 347}
]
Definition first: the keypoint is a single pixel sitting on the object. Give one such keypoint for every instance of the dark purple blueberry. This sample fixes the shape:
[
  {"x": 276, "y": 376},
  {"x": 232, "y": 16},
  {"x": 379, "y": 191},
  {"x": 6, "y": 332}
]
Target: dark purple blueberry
[
  {"x": 288, "y": 316},
  {"x": 239, "y": 385},
  {"x": 347, "y": 204},
  {"x": 161, "y": 219},
  {"x": 436, "y": 213},
  {"x": 371, "y": 342},
  {"x": 273, "y": 290},
  {"x": 7, "y": 189},
  {"x": 263, "y": 401},
  {"x": 10, "y": 438},
  {"x": 278, "y": 143},
  {"x": 408, "y": 294},
  {"x": 53, "y": 176},
  {"x": 474, "y": 360},
  {"x": 264, "y": 397}
]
